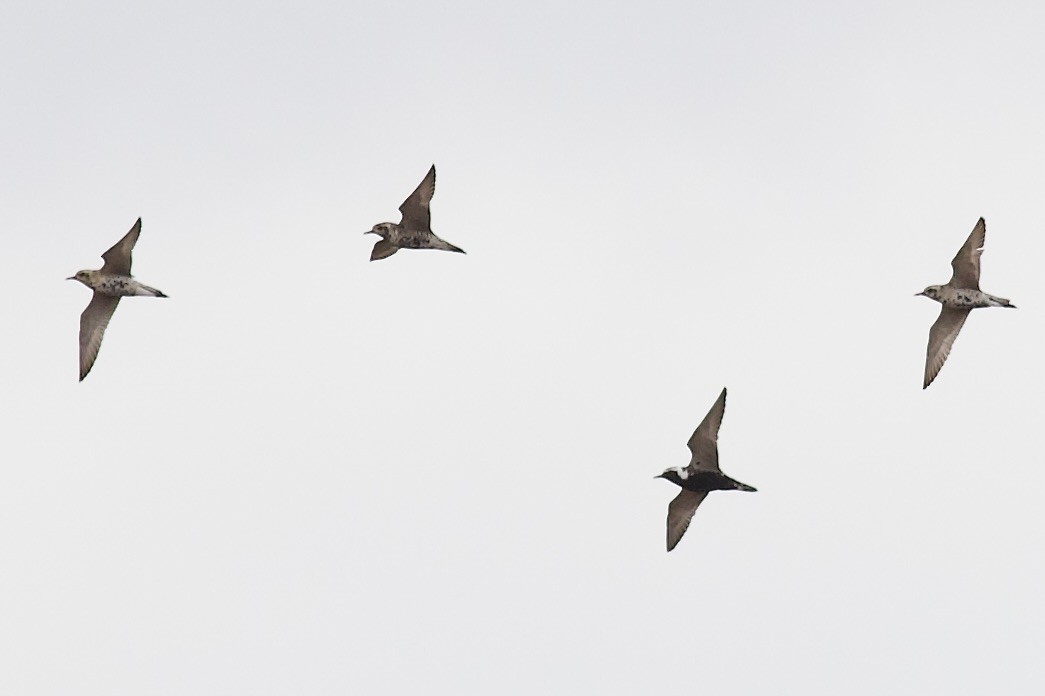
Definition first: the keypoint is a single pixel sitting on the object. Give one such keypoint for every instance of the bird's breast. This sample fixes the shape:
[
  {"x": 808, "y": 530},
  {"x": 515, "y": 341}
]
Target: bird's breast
[
  {"x": 117, "y": 286},
  {"x": 706, "y": 481},
  {"x": 965, "y": 298},
  {"x": 410, "y": 239}
]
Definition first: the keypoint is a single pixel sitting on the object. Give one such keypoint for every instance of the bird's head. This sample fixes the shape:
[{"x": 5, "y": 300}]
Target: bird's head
[
  {"x": 84, "y": 277},
  {"x": 932, "y": 292},
  {"x": 381, "y": 229},
  {"x": 673, "y": 475}
]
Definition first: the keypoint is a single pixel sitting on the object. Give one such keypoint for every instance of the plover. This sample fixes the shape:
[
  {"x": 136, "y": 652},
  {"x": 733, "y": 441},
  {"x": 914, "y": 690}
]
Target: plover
[
  {"x": 959, "y": 296},
  {"x": 701, "y": 476},
  {"x": 110, "y": 283},
  {"x": 414, "y": 231}
]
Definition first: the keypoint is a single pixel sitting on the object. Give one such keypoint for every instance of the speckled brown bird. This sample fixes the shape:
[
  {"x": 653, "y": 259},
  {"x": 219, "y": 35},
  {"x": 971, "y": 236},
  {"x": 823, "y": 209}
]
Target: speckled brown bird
[
  {"x": 414, "y": 231},
  {"x": 110, "y": 283},
  {"x": 959, "y": 296}
]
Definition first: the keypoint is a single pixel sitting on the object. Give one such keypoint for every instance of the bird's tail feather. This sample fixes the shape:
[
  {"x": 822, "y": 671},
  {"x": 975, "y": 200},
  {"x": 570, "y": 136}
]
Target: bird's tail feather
[
  {"x": 440, "y": 243},
  {"x": 1001, "y": 302}
]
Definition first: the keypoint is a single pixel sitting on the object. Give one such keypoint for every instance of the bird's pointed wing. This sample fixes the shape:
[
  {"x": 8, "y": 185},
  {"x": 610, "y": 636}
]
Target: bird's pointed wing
[
  {"x": 704, "y": 441},
  {"x": 416, "y": 215},
  {"x": 680, "y": 512},
  {"x": 118, "y": 258},
  {"x": 92, "y": 327},
  {"x": 966, "y": 263},
  {"x": 941, "y": 337},
  {"x": 382, "y": 250}
]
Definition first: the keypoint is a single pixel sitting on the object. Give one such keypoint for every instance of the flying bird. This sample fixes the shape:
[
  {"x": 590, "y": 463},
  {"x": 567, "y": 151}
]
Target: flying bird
[
  {"x": 959, "y": 296},
  {"x": 110, "y": 283},
  {"x": 701, "y": 476},
  {"x": 414, "y": 231}
]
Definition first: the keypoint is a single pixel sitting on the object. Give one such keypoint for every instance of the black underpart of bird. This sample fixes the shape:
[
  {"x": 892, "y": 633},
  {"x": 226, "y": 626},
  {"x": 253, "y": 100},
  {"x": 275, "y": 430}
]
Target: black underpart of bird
[
  {"x": 701, "y": 476},
  {"x": 706, "y": 481}
]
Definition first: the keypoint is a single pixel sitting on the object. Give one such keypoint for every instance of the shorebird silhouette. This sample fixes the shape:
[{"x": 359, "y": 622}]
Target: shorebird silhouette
[
  {"x": 959, "y": 296},
  {"x": 414, "y": 231},
  {"x": 701, "y": 476},
  {"x": 110, "y": 283}
]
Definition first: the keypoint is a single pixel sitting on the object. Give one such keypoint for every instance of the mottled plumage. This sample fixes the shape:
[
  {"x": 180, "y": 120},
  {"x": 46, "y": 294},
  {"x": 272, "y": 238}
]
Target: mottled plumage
[
  {"x": 959, "y": 296},
  {"x": 110, "y": 283},
  {"x": 701, "y": 476},
  {"x": 414, "y": 231}
]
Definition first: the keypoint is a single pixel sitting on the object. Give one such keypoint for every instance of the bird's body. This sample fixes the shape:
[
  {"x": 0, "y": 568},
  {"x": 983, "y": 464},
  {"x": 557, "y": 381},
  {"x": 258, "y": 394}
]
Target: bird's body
[
  {"x": 404, "y": 238},
  {"x": 109, "y": 284},
  {"x": 414, "y": 231},
  {"x": 703, "y": 481},
  {"x": 116, "y": 285},
  {"x": 964, "y": 298},
  {"x": 701, "y": 476},
  {"x": 959, "y": 296}
]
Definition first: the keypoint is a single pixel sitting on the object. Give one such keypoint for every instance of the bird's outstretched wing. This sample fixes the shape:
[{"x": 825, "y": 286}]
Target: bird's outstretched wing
[
  {"x": 118, "y": 257},
  {"x": 416, "y": 215},
  {"x": 92, "y": 327},
  {"x": 966, "y": 262},
  {"x": 680, "y": 512},
  {"x": 704, "y": 441},
  {"x": 941, "y": 337},
  {"x": 382, "y": 250}
]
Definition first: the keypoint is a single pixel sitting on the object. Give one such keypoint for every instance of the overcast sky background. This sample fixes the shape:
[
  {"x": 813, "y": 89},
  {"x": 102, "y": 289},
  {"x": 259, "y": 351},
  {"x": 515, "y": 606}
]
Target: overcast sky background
[{"x": 308, "y": 473}]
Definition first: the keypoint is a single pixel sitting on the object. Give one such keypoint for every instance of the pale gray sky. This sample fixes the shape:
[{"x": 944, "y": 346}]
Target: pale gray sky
[{"x": 306, "y": 473}]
